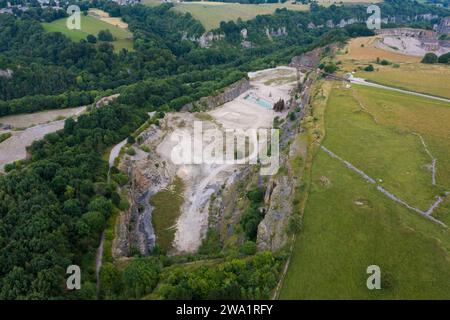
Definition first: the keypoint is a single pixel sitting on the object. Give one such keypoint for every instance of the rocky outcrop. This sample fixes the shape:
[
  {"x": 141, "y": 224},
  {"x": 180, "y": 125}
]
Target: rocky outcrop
[
  {"x": 309, "y": 59},
  {"x": 106, "y": 100},
  {"x": 147, "y": 175},
  {"x": 272, "y": 233},
  {"x": 7, "y": 73},
  {"x": 230, "y": 93},
  {"x": 205, "y": 40}
]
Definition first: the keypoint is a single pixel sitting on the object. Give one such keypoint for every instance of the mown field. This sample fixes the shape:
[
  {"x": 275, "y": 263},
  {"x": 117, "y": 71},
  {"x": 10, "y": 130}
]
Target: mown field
[
  {"x": 210, "y": 14},
  {"x": 91, "y": 25},
  {"x": 423, "y": 78},
  {"x": 404, "y": 72},
  {"x": 349, "y": 225}
]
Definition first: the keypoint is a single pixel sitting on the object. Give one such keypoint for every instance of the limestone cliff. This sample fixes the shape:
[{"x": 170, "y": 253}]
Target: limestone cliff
[{"x": 231, "y": 92}]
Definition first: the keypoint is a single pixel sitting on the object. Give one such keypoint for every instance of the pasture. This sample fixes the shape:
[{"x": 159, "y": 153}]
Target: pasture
[
  {"x": 210, "y": 14},
  {"x": 349, "y": 225},
  {"x": 403, "y": 72},
  {"x": 92, "y": 25}
]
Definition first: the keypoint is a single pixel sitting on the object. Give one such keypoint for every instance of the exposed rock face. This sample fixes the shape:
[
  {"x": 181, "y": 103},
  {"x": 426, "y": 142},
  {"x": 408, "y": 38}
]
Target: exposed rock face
[
  {"x": 147, "y": 175},
  {"x": 308, "y": 59},
  {"x": 272, "y": 230},
  {"x": 106, "y": 100},
  {"x": 7, "y": 73},
  {"x": 231, "y": 92},
  {"x": 205, "y": 40},
  {"x": 281, "y": 31}
]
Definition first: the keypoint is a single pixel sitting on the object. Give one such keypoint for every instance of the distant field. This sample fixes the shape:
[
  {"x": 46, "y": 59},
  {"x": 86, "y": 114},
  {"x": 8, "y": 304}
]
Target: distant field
[
  {"x": 91, "y": 25},
  {"x": 330, "y": 2},
  {"x": 363, "y": 49},
  {"x": 349, "y": 225},
  {"x": 432, "y": 79},
  {"x": 210, "y": 14},
  {"x": 408, "y": 74}
]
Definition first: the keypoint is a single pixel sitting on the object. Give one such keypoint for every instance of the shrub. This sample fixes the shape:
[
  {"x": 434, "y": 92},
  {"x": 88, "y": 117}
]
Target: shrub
[
  {"x": 369, "y": 68},
  {"x": 330, "y": 68},
  {"x": 295, "y": 223},
  {"x": 248, "y": 248},
  {"x": 430, "y": 58},
  {"x": 131, "y": 140},
  {"x": 105, "y": 35},
  {"x": 91, "y": 38},
  {"x": 445, "y": 58}
]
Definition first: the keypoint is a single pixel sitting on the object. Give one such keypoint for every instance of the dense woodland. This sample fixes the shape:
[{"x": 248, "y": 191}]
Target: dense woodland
[{"x": 54, "y": 206}]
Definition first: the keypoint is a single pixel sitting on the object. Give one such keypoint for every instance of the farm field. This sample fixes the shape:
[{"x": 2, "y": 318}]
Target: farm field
[
  {"x": 408, "y": 74},
  {"x": 337, "y": 2},
  {"x": 349, "y": 225},
  {"x": 210, "y": 14},
  {"x": 92, "y": 25},
  {"x": 431, "y": 79}
]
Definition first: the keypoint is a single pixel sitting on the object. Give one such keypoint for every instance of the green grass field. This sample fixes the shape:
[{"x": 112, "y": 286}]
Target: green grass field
[
  {"x": 210, "y": 14},
  {"x": 349, "y": 225},
  {"x": 91, "y": 25},
  {"x": 167, "y": 208},
  {"x": 431, "y": 79}
]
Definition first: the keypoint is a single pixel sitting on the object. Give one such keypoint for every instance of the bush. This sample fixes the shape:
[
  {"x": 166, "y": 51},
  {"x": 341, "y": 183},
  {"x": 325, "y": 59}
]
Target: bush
[
  {"x": 330, "y": 68},
  {"x": 211, "y": 244},
  {"x": 445, "y": 58},
  {"x": 131, "y": 152},
  {"x": 369, "y": 68},
  {"x": 295, "y": 223},
  {"x": 91, "y": 38},
  {"x": 430, "y": 58},
  {"x": 131, "y": 140},
  {"x": 292, "y": 116},
  {"x": 105, "y": 35},
  {"x": 248, "y": 248}
]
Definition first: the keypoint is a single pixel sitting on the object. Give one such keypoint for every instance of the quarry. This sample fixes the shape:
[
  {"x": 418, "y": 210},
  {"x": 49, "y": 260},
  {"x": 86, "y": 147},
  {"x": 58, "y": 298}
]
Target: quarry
[{"x": 207, "y": 185}]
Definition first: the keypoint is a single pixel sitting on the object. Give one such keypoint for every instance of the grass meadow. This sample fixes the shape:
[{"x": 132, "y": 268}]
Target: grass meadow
[
  {"x": 92, "y": 25},
  {"x": 348, "y": 225},
  {"x": 167, "y": 208},
  {"x": 404, "y": 72},
  {"x": 210, "y": 14}
]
